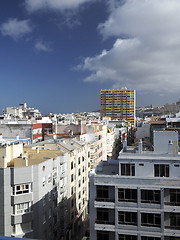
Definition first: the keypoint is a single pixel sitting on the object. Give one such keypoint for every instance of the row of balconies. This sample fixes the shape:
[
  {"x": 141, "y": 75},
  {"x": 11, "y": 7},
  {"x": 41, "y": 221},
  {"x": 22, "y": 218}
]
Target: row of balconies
[{"x": 146, "y": 221}]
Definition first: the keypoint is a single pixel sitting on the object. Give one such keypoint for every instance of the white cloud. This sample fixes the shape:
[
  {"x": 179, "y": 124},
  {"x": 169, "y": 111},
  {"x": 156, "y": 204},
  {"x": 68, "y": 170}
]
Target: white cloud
[
  {"x": 57, "y": 5},
  {"x": 43, "y": 46},
  {"x": 16, "y": 28},
  {"x": 146, "y": 54}
]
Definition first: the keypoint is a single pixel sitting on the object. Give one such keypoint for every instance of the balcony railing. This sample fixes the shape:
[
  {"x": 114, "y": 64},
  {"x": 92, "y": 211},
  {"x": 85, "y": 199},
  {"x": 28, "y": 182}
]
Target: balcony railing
[
  {"x": 127, "y": 200},
  {"x": 104, "y": 222},
  {"x": 172, "y": 203},
  {"x": 104, "y": 199},
  {"x": 173, "y": 227},
  {"x": 150, "y": 201}
]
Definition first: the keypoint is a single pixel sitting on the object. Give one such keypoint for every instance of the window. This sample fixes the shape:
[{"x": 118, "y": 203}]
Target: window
[
  {"x": 50, "y": 212},
  {"x": 161, "y": 170},
  {"x": 83, "y": 169},
  {"x": 23, "y": 208},
  {"x": 151, "y": 219},
  {"x": 79, "y": 206},
  {"x": 21, "y": 189},
  {"x": 103, "y": 214},
  {"x": 103, "y": 235},
  {"x": 175, "y": 220},
  {"x": 88, "y": 154},
  {"x": 129, "y": 195},
  {"x": 150, "y": 238},
  {"x": 71, "y": 165},
  {"x": 44, "y": 218},
  {"x": 79, "y": 160},
  {"x": 44, "y": 201},
  {"x": 44, "y": 182},
  {"x": 128, "y": 218},
  {"x": 102, "y": 192},
  {"x": 151, "y": 196},
  {"x": 175, "y": 197},
  {"x": 72, "y": 203},
  {"x": 49, "y": 196},
  {"x": 83, "y": 180},
  {"x": 72, "y": 177},
  {"x": 127, "y": 237},
  {"x": 79, "y": 183},
  {"x": 49, "y": 178},
  {"x": 72, "y": 188},
  {"x": 79, "y": 195},
  {"x": 79, "y": 172},
  {"x": 83, "y": 159},
  {"x": 127, "y": 169}
]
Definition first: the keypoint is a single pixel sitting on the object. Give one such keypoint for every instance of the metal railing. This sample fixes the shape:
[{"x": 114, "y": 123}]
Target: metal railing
[
  {"x": 104, "y": 199},
  {"x": 104, "y": 222}
]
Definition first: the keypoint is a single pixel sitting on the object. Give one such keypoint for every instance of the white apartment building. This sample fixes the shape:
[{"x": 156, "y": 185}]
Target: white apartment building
[
  {"x": 33, "y": 188},
  {"x": 75, "y": 201},
  {"x": 136, "y": 197}
]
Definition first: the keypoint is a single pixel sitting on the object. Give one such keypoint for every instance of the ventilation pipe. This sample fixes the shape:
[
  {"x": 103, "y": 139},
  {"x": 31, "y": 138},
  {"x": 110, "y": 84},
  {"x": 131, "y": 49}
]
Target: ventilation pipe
[
  {"x": 140, "y": 146},
  {"x": 124, "y": 145}
]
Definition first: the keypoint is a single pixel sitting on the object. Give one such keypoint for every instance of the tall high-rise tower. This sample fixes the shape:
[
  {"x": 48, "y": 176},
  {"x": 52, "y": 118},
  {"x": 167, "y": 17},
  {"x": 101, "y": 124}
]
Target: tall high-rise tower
[{"x": 118, "y": 104}]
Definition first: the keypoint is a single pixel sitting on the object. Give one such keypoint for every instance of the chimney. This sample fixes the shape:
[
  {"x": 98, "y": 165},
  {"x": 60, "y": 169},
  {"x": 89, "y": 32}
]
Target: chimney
[
  {"x": 54, "y": 136},
  {"x": 37, "y": 150},
  {"x": 1, "y": 138},
  {"x": 124, "y": 145},
  {"x": 140, "y": 146},
  {"x": 170, "y": 147}
]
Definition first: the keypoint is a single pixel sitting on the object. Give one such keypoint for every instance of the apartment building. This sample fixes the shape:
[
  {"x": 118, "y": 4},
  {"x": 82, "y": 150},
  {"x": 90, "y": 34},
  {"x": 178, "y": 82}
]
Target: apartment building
[
  {"x": 136, "y": 197},
  {"x": 33, "y": 187},
  {"x": 118, "y": 104},
  {"x": 78, "y": 180},
  {"x": 74, "y": 207},
  {"x": 93, "y": 133},
  {"x": 23, "y": 111}
]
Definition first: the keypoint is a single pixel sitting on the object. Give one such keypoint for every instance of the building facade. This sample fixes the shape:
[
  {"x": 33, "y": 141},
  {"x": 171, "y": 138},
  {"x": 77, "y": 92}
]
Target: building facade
[
  {"x": 118, "y": 104},
  {"x": 136, "y": 197},
  {"x": 33, "y": 188}
]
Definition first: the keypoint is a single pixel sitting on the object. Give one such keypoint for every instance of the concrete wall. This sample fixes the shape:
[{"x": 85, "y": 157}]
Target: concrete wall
[
  {"x": 5, "y": 202},
  {"x": 161, "y": 141},
  {"x": 143, "y": 132},
  {"x": 13, "y": 130}
]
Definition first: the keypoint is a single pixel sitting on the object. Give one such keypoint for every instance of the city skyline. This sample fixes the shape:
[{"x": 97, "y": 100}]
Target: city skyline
[{"x": 57, "y": 56}]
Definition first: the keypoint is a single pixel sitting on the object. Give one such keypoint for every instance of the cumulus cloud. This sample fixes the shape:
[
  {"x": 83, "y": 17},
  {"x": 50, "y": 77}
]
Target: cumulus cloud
[
  {"x": 16, "y": 28},
  {"x": 43, "y": 46},
  {"x": 146, "y": 53},
  {"x": 57, "y": 5}
]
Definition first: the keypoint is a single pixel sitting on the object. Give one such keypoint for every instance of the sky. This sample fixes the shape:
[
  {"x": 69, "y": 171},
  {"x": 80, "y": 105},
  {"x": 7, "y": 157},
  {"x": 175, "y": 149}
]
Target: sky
[{"x": 57, "y": 55}]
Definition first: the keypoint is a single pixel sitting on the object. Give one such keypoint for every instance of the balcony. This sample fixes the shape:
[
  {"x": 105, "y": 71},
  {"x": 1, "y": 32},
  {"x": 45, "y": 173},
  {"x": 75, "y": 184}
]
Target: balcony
[
  {"x": 172, "y": 227},
  {"x": 104, "y": 222},
  {"x": 62, "y": 174},
  {"x": 104, "y": 199},
  {"x": 104, "y": 203},
  {"x": 62, "y": 189}
]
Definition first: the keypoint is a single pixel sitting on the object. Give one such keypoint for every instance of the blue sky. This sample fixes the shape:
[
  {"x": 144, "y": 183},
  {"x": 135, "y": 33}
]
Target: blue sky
[{"x": 56, "y": 55}]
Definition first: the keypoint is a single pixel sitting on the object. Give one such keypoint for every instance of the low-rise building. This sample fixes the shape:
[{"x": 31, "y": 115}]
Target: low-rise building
[{"x": 136, "y": 197}]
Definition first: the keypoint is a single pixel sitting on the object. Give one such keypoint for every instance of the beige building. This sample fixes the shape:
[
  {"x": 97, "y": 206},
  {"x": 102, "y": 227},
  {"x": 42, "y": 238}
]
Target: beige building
[
  {"x": 78, "y": 180},
  {"x": 118, "y": 104}
]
